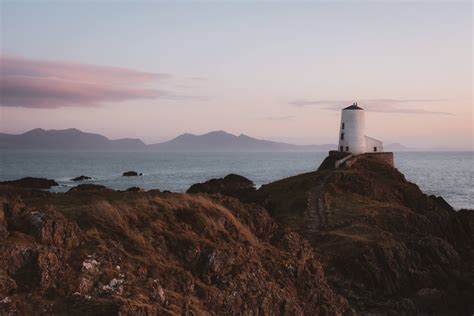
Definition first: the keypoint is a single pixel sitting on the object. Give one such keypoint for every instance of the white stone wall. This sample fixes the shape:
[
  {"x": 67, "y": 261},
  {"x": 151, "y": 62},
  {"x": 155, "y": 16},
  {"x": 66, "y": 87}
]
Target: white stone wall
[{"x": 373, "y": 145}]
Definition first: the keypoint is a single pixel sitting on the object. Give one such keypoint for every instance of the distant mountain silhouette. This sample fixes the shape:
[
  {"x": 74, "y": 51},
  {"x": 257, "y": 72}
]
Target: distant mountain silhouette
[
  {"x": 76, "y": 140},
  {"x": 67, "y": 139},
  {"x": 398, "y": 147},
  {"x": 220, "y": 141}
]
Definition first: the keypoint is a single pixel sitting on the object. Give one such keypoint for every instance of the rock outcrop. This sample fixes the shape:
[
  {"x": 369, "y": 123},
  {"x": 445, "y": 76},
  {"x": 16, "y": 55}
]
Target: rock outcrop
[
  {"x": 31, "y": 183},
  {"x": 114, "y": 253},
  {"x": 231, "y": 185},
  {"x": 134, "y": 189},
  {"x": 89, "y": 187},
  {"x": 33, "y": 256}
]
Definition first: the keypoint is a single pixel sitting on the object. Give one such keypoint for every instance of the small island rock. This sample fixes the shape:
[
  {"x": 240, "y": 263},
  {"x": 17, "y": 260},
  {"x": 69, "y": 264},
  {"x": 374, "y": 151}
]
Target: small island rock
[
  {"x": 130, "y": 174},
  {"x": 81, "y": 178}
]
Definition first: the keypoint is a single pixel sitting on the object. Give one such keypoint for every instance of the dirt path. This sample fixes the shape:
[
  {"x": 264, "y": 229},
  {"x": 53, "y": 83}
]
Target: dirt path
[{"x": 315, "y": 211}]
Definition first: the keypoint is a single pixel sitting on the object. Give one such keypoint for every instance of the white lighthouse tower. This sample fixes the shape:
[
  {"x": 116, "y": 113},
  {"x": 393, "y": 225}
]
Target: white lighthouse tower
[{"x": 352, "y": 137}]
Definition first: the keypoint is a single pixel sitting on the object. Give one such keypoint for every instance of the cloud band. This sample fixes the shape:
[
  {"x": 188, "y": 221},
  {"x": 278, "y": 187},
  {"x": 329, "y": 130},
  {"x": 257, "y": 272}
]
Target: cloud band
[{"x": 47, "y": 84}]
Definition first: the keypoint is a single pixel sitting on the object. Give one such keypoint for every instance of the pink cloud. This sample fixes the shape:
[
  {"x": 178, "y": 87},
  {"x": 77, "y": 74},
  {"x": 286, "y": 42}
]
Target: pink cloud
[
  {"x": 13, "y": 65},
  {"x": 48, "y": 84},
  {"x": 52, "y": 93}
]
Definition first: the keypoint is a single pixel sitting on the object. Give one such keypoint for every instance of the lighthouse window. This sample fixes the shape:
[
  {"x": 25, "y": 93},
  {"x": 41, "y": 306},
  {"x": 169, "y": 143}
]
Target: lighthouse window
[
  {"x": 342, "y": 125},
  {"x": 375, "y": 149},
  {"x": 342, "y": 136},
  {"x": 347, "y": 148}
]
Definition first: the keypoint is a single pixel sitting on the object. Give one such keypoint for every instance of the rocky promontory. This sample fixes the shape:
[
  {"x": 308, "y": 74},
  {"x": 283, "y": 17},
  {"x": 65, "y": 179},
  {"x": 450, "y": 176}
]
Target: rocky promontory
[
  {"x": 385, "y": 245},
  {"x": 359, "y": 239}
]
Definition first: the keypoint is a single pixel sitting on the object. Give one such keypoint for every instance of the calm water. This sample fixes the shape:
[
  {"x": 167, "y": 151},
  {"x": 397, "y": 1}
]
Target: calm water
[{"x": 447, "y": 174}]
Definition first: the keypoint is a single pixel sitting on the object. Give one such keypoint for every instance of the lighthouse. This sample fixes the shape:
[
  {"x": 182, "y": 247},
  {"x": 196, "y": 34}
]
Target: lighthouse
[
  {"x": 352, "y": 137},
  {"x": 354, "y": 145}
]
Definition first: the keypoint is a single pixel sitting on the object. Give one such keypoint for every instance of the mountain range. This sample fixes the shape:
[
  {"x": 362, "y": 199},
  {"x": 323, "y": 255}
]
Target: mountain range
[
  {"x": 216, "y": 141},
  {"x": 74, "y": 139},
  {"x": 68, "y": 139}
]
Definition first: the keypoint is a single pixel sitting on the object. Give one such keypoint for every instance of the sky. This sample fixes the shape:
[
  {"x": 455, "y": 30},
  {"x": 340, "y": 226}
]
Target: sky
[{"x": 273, "y": 70}]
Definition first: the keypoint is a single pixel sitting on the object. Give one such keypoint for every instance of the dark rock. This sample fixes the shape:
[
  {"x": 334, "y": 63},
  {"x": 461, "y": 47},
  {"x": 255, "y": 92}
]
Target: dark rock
[
  {"x": 82, "y": 178},
  {"x": 130, "y": 174},
  {"x": 88, "y": 187},
  {"x": 442, "y": 202},
  {"x": 231, "y": 185},
  {"x": 35, "y": 263},
  {"x": 36, "y": 219},
  {"x": 52, "y": 228},
  {"x": 32, "y": 183},
  {"x": 134, "y": 189}
]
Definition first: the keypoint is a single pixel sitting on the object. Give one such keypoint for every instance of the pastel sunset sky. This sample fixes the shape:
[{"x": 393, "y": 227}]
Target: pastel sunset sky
[{"x": 273, "y": 70}]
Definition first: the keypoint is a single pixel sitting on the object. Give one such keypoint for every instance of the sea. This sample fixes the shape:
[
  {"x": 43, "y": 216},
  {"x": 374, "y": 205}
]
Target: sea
[{"x": 446, "y": 174}]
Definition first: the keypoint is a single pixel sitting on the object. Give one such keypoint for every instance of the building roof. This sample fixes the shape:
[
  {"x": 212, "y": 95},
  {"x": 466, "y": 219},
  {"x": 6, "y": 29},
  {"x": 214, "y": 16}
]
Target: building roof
[
  {"x": 373, "y": 138},
  {"x": 354, "y": 106}
]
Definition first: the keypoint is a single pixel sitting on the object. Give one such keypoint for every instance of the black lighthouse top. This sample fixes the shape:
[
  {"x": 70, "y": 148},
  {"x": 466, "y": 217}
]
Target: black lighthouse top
[{"x": 353, "y": 107}]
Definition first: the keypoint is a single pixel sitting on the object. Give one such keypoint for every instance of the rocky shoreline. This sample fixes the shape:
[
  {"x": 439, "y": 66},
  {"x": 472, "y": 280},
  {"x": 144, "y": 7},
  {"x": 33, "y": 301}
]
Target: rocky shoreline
[{"x": 354, "y": 240}]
